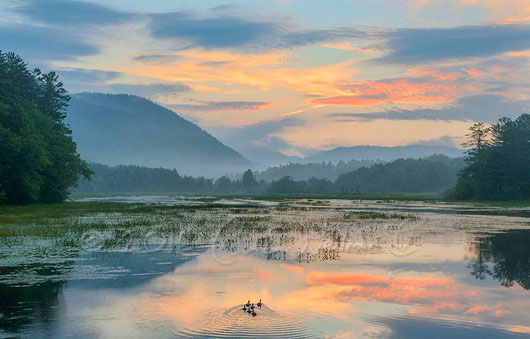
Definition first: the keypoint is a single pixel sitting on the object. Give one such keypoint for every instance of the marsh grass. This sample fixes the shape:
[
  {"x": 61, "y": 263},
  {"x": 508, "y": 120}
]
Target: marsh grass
[
  {"x": 45, "y": 214},
  {"x": 123, "y": 225},
  {"x": 364, "y": 215},
  {"x": 51, "y": 234}
]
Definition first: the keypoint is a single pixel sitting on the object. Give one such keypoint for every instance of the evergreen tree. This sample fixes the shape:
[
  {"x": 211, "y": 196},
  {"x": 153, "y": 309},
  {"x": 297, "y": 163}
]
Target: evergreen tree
[
  {"x": 249, "y": 180},
  {"x": 498, "y": 161},
  {"x": 38, "y": 159}
]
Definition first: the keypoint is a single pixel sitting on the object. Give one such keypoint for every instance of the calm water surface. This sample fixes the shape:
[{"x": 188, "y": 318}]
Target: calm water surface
[{"x": 445, "y": 274}]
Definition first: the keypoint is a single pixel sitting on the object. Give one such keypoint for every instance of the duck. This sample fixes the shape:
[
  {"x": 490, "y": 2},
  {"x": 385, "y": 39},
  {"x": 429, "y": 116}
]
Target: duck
[
  {"x": 247, "y": 304},
  {"x": 244, "y": 308},
  {"x": 249, "y": 310},
  {"x": 253, "y": 313},
  {"x": 259, "y": 304},
  {"x": 252, "y": 307}
]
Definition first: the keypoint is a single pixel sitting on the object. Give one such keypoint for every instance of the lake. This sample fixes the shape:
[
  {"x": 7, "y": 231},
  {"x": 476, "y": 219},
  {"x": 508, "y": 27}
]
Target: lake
[{"x": 159, "y": 267}]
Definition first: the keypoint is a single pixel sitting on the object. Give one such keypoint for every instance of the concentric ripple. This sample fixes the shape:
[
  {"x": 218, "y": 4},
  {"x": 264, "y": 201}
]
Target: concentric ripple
[{"x": 236, "y": 323}]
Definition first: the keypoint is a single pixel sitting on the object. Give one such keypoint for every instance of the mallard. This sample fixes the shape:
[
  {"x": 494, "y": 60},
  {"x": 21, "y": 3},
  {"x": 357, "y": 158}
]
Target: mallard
[
  {"x": 259, "y": 304},
  {"x": 247, "y": 304}
]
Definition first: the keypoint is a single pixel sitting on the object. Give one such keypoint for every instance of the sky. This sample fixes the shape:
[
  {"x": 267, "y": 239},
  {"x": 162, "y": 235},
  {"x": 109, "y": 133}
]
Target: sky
[{"x": 292, "y": 76}]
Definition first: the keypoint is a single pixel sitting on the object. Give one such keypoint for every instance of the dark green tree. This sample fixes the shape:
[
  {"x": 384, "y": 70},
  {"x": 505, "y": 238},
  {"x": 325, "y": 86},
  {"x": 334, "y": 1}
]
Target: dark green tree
[
  {"x": 38, "y": 159},
  {"x": 224, "y": 185},
  {"x": 286, "y": 185},
  {"x": 249, "y": 180},
  {"x": 434, "y": 174},
  {"x": 498, "y": 161}
]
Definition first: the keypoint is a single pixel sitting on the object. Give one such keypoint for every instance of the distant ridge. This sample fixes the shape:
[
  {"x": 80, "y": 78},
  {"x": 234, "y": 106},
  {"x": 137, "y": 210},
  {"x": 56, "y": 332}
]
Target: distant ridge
[
  {"x": 130, "y": 130},
  {"x": 382, "y": 153}
]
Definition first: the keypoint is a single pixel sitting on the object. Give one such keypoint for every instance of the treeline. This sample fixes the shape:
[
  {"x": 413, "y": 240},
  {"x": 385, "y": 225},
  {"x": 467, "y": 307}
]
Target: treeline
[
  {"x": 434, "y": 174},
  {"x": 38, "y": 159},
  {"x": 137, "y": 180},
  {"x": 321, "y": 170},
  {"x": 498, "y": 161}
]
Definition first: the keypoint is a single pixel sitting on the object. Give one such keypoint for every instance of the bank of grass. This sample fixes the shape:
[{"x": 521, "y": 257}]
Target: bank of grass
[
  {"x": 364, "y": 215},
  {"x": 55, "y": 220},
  {"x": 381, "y": 197},
  {"x": 43, "y": 214},
  {"x": 501, "y": 204},
  {"x": 384, "y": 198},
  {"x": 356, "y": 197}
]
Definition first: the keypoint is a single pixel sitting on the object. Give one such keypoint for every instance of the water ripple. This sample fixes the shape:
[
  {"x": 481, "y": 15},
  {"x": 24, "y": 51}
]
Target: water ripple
[{"x": 235, "y": 323}]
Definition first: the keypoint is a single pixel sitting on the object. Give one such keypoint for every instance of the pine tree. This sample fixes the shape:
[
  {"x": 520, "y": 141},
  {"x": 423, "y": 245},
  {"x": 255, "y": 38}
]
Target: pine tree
[{"x": 38, "y": 158}]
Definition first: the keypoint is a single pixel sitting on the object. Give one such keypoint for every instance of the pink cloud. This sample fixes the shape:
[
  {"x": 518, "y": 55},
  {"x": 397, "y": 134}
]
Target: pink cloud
[{"x": 401, "y": 90}]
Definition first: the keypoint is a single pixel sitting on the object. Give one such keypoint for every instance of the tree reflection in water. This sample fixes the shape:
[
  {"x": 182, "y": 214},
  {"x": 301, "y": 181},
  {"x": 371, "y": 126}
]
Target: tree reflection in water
[
  {"x": 24, "y": 305},
  {"x": 504, "y": 257}
]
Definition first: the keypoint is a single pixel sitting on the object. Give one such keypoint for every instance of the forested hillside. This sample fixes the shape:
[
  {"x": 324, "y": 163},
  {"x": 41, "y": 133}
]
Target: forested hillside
[
  {"x": 383, "y": 153},
  {"x": 130, "y": 130},
  {"x": 434, "y": 174},
  {"x": 323, "y": 170},
  {"x": 138, "y": 180}
]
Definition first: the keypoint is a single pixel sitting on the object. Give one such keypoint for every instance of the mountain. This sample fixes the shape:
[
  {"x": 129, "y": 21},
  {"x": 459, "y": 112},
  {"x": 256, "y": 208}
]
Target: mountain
[
  {"x": 382, "y": 153},
  {"x": 130, "y": 130},
  {"x": 264, "y": 158}
]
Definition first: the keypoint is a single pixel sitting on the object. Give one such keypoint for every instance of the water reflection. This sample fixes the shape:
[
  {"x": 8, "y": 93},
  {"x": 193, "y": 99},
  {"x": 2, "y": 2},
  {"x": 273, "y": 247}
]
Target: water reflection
[
  {"x": 504, "y": 257},
  {"x": 374, "y": 277},
  {"x": 21, "y": 306}
]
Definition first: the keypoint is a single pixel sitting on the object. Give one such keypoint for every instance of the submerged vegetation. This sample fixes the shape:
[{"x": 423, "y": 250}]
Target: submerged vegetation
[
  {"x": 301, "y": 230},
  {"x": 133, "y": 224},
  {"x": 59, "y": 233}
]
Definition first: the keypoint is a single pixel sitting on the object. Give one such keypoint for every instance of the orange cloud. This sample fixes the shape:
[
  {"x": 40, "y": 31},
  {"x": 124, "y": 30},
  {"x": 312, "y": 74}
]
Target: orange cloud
[
  {"x": 265, "y": 275},
  {"x": 507, "y": 11},
  {"x": 293, "y": 268},
  {"x": 316, "y": 277},
  {"x": 260, "y": 71},
  {"x": 434, "y": 74},
  {"x": 520, "y": 329},
  {"x": 402, "y": 90},
  {"x": 437, "y": 308},
  {"x": 348, "y": 46},
  {"x": 513, "y": 11},
  {"x": 219, "y": 58},
  {"x": 473, "y": 72},
  {"x": 518, "y": 53},
  {"x": 477, "y": 309},
  {"x": 399, "y": 289}
]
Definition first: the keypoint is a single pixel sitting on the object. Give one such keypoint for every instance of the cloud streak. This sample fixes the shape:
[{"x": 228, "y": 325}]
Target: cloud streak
[
  {"x": 44, "y": 44},
  {"x": 71, "y": 12},
  {"x": 230, "y": 32},
  {"x": 418, "y": 45},
  {"x": 223, "y": 106},
  {"x": 486, "y": 107},
  {"x": 423, "y": 87},
  {"x": 86, "y": 76}
]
